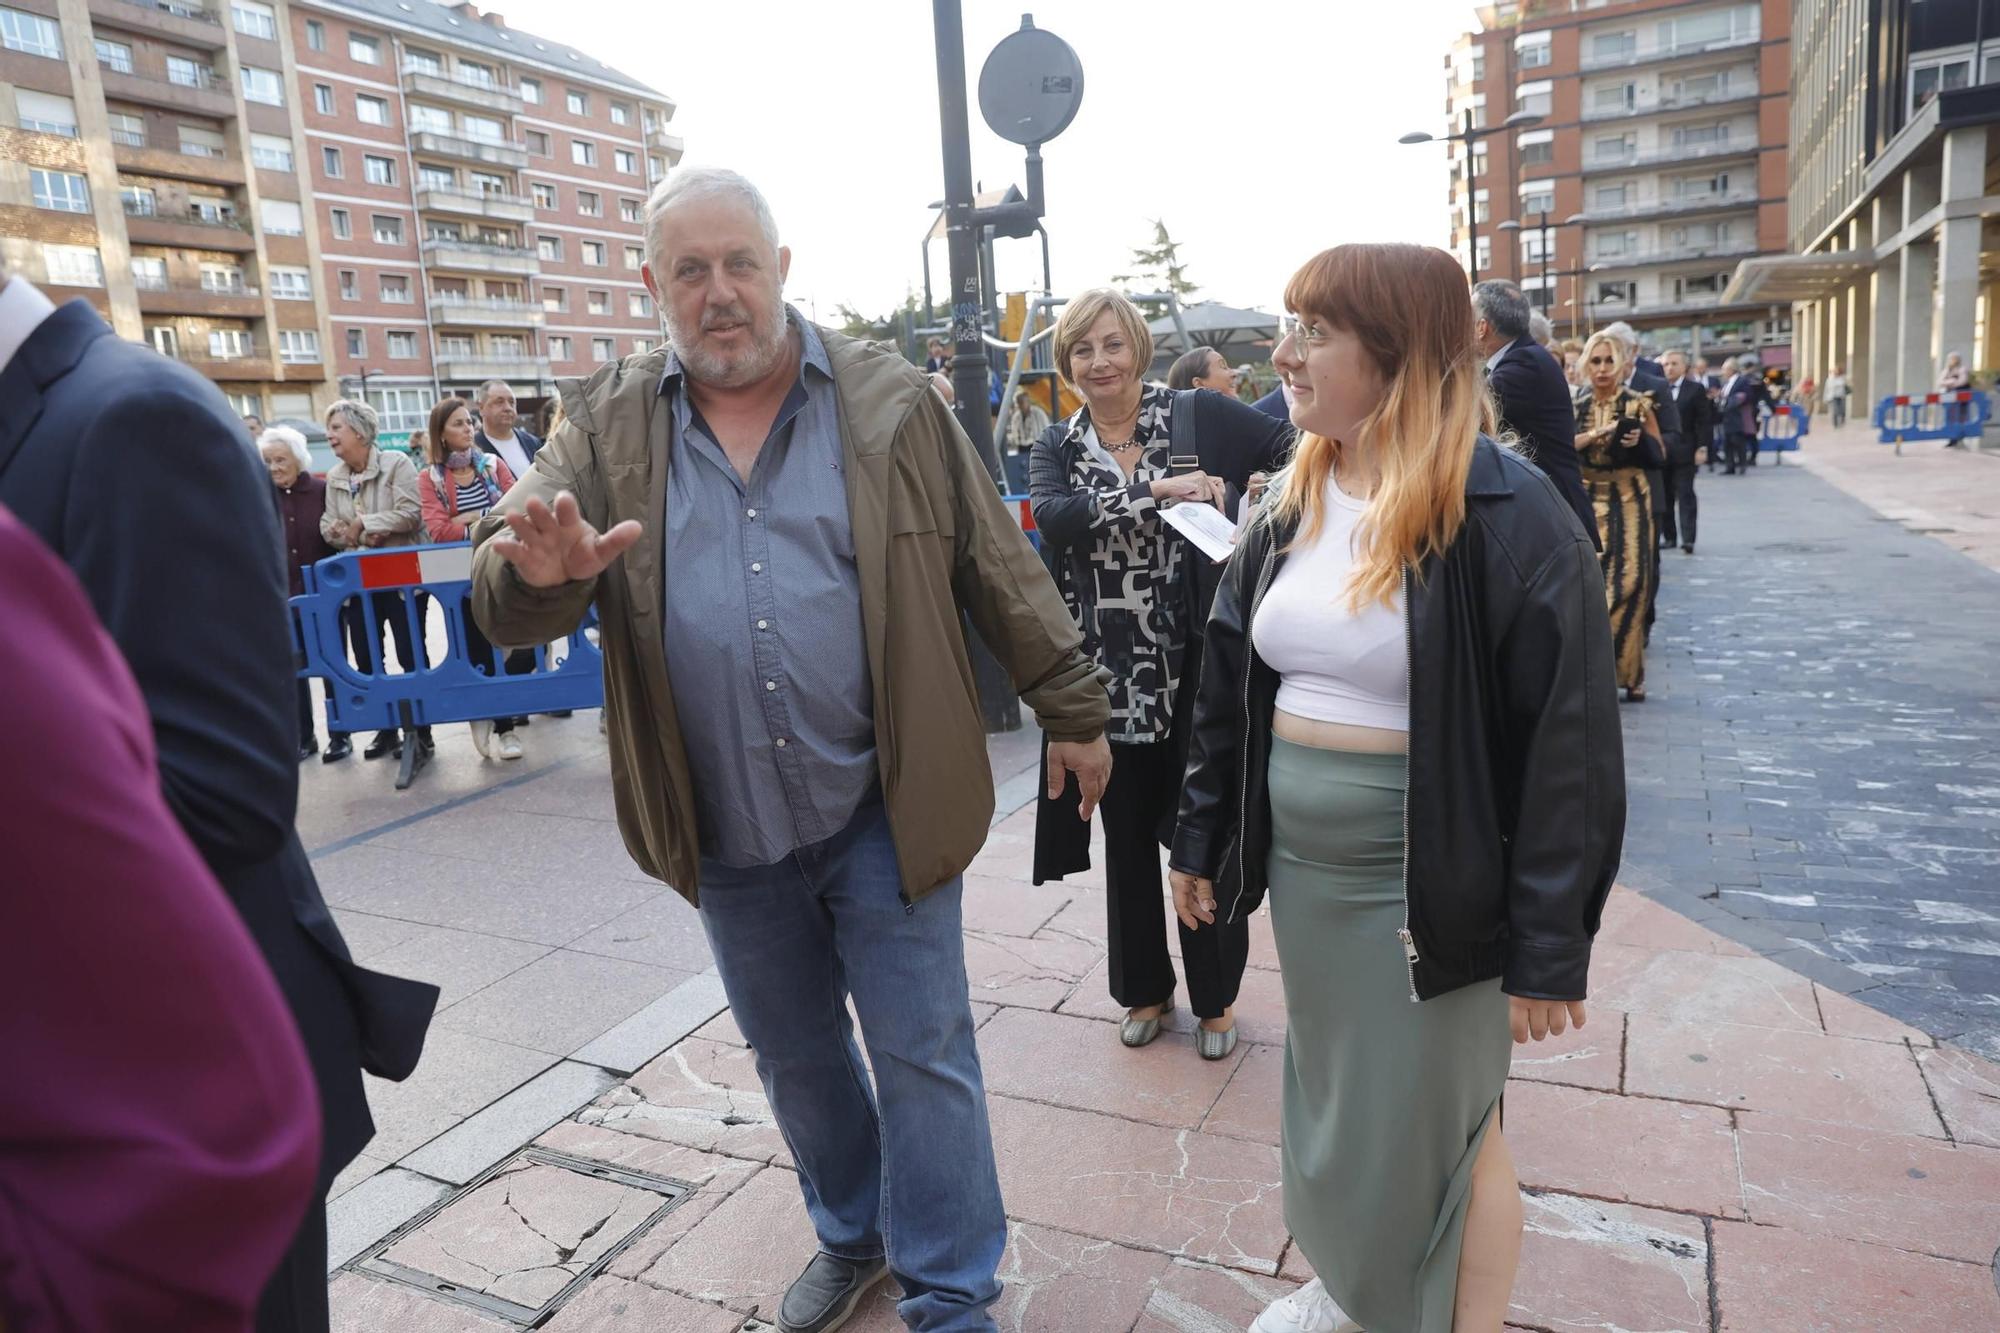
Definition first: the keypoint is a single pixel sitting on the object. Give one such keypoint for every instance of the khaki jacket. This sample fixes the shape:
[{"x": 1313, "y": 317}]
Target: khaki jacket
[
  {"x": 931, "y": 538},
  {"x": 388, "y": 501}
]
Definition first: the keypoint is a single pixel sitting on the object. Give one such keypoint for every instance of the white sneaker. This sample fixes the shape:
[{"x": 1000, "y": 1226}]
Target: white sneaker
[
  {"x": 510, "y": 746},
  {"x": 482, "y": 736},
  {"x": 1307, "y": 1310}
]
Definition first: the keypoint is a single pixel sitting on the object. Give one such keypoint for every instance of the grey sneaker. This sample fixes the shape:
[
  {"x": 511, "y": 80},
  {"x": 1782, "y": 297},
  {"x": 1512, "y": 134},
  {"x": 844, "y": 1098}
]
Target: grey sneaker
[{"x": 824, "y": 1296}]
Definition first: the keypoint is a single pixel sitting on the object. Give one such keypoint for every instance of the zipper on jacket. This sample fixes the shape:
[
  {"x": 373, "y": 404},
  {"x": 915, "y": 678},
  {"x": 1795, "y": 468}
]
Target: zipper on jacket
[
  {"x": 1243, "y": 796},
  {"x": 1409, "y": 940}
]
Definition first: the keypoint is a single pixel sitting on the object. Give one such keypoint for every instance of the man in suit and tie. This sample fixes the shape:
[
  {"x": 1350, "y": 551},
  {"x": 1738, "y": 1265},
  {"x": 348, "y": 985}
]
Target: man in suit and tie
[
  {"x": 1529, "y": 389},
  {"x": 180, "y": 554},
  {"x": 1697, "y": 414},
  {"x": 1744, "y": 399},
  {"x": 1711, "y": 443},
  {"x": 500, "y": 432}
]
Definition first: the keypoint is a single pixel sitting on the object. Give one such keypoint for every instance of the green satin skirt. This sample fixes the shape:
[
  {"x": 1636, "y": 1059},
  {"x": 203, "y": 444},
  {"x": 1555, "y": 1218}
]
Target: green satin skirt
[{"x": 1386, "y": 1101}]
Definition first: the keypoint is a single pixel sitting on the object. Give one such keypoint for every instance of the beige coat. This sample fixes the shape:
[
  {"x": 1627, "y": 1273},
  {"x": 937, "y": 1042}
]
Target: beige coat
[
  {"x": 932, "y": 539},
  {"x": 386, "y": 499}
]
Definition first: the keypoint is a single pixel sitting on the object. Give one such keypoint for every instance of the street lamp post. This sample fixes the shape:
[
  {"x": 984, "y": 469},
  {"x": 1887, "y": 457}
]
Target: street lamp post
[
  {"x": 1542, "y": 227},
  {"x": 1469, "y": 134}
]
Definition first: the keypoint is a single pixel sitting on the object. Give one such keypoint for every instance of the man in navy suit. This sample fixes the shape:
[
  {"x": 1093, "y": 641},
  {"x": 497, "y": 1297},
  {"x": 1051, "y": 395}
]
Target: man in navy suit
[
  {"x": 1528, "y": 386},
  {"x": 500, "y": 433},
  {"x": 134, "y": 471}
]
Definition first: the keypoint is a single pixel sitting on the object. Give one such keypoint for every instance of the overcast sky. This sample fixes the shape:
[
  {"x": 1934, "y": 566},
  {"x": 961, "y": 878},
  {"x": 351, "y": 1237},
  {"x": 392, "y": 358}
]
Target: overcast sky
[{"x": 1262, "y": 131}]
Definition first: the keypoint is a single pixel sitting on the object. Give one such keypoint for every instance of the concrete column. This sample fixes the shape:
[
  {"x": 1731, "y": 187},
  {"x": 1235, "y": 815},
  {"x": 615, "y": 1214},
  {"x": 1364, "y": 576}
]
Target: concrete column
[
  {"x": 1962, "y": 181},
  {"x": 1916, "y": 358},
  {"x": 1886, "y": 303},
  {"x": 1864, "y": 386}
]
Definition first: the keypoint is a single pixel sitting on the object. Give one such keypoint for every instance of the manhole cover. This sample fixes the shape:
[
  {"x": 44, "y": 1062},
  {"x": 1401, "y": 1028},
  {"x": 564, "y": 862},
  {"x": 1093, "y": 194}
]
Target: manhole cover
[{"x": 524, "y": 1237}]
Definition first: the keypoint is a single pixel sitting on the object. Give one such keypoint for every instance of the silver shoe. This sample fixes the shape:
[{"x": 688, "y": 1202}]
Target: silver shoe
[
  {"x": 1139, "y": 1031},
  {"x": 1214, "y": 1045}
]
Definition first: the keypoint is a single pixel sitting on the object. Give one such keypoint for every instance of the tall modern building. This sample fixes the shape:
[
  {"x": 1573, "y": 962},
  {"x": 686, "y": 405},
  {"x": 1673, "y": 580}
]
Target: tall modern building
[
  {"x": 301, "y": 200},
  {"x": 1893, "y": 261},
  {"x": 1658, "y": 163}
]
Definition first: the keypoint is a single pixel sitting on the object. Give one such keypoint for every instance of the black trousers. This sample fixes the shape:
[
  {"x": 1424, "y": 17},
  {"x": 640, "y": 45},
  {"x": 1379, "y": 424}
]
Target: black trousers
[
  {"x": 307, "y": 720},
  {"x": 295, "y": 1300},
  {"x": 390, "y": 617},
  {"x": 1736, "y": 448},
  {"x": 1677, "y": 519},
  {"x": 1144, "y": 791}
]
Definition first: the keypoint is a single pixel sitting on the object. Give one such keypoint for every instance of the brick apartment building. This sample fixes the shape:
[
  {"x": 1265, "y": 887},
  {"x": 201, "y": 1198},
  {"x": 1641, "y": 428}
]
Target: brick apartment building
[
  {"x": 1660, "y": 161},
  {"x": 305, "y": 199}
]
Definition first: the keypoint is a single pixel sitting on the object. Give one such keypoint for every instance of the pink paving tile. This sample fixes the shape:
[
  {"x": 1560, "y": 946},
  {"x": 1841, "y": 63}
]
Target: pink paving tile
[
  {"x": 1079, "y": 1063},
  {"x": 1184, "y": 1193},
  {"x": 1197, "y": 1298},
  {"x": 1900, "y": 1190},
  {"x": 722, "y": 1028},
  {"x": 1592, "y": 1056},
  {"x": 1839, "y": 1080},
  {"x": 614, "y": 1305},
  {"x": 1082, "y": 920},
  {"x": 1847, "y": 1017},
  {"x": 1259, "y": 1010},
  {"x": 1967, "y": 1089},
  {"x": 360, "y": 1304},
  {"x": 1769, "y": 1278},
  {"x": 1032, "y": 974},
  {"x": 1657, "y": 1154},
  {"x": 1012, "y": 906},
  {"x": 1250, "y": 1107},
  {"x": 1296, "y": 1268},
  {"x": 745, "y": 1253},
  {"x": 1701, "y": 988},
  {"x": 1631, "y": 918},
  {"x": 699, "y": 1093},
  {"x": 1012, "y": 856},
  {"x": 1587, "y": 1265}
]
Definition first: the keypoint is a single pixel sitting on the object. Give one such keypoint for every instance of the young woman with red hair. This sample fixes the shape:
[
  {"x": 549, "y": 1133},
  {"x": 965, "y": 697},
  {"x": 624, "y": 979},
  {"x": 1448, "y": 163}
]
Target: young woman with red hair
[{"x": 1407, "y": 733}]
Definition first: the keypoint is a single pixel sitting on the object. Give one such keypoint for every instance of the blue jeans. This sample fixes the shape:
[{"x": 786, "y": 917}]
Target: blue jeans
[{"x": 905, "y": 1169}]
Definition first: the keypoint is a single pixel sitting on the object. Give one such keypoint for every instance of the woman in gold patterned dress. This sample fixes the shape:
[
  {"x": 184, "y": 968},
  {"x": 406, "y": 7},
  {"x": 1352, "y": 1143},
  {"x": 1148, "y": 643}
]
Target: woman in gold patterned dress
[{"x": 1617, "y": 437}]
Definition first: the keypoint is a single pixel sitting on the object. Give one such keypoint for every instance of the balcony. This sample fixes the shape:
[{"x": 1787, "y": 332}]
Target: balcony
[
  {"x": 1671, "y": 207},
  {"x": 485, "y": 312},
  {"x": 1668, "y": 254},
  {"x": 1673, "y": 156},
  {"x": 1647, "y": 53},
  {"x": 485, "y": 152},
  {"x": 672, "y": 145},
  {"x": 420, "y": 80},
  {"x": 188, "y": 25},
  {"x": 253, "y": 362},
  {"x": 1736, "y": 92},
  {"x": 207, "y": 95},
  {"x": 478, "y": 257},
  {"x": 188, "y": 299},
  {"x": 1606, "y": 311},
  {"x": 145, "y": 160},
  {"x": 519, "y": 369},
  {"x": 187, "y": 231},
  {"x": 492, "y": 205}
]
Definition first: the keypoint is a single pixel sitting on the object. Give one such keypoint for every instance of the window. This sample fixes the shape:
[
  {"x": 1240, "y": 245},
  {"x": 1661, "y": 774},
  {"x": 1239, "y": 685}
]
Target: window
[
  {"x": 388, "y": 229},
  {"x": 1713, "y": 28},
  {"x": 1700, "y": 136},
  {"x": 214, "y": 208},
  {"x": 559, "y": 347},
  {"x": 72, "y": 265},
  {"x": 1609, "y": 48},
  {"x": 422, "y": 62},
  {"x": 126, "y": 128},
  {"x": 594, "y": 253},
  {"x": 1615, "y": 147},
  {"x": 635, "y": 256},
  {"x": 1927, "y": 81},
  {"x": 253, "y": 19},
  {"x": 315, "y": 35},
  {"x": 531, "y": 91},
  {"x": 323, "y": 99},
  {"x": 626, "y": 161},
  {"x": 1706, "y": 284},
  {"x": 59, "y": 190},
  {"x": 228, "y": 344},
  {"x": 1616, "y": 293},
  {"x": 555, "y": 300},
  {"x": 485, "y": 128},
  {"x": 1537, "y": 97},
  {"x": 538, "y": 143},
  {"x": 330, "y": 164},
  {"x": 1483, "y": 254},
  {"x": 357, "y": 342},
  {"x": 402, "y": 345},
  {"x": 1479, "y": 159},
  {"x": 582, "y": 153},
  {"x": 1531, "y": 246},
  {"x": 1701, "y": 88},
  {"x": 290, "y": 284},
  {"x": 639, "y": 305},
  {"x": 1538, "y": 147},
  {"x": 599, "y": 303},
  {"x": 45, "y": 112},
  {"x": 343, "y": 225},
  {"x": 114, "y": 56},
  {"x": 621, "y": 114},
  {"x": 139, "y": 201},
  {"x": 642, "y": 345},
  {"x": 480, "y": 76},
  {"x": 1476, "y": 104},
  {"x": 1531, "y": 50},
  {"x": 371, "y": 110},
  {"x": 1610, "y": 196},
  {"x": 1481, "y": 206},
  {"x": 364, "y": 50},
  {"x": 394, "y": 288},
  {"x": 589, "y": 203},
  {"x": 200, "y": 141},
  {"x": 429, "y": 119},
  {"x": 149, "y": 273},
  {"x": 549, "y": 247},
  {"x": 656, "y": 168},
  {"x": 631, "y": 210},
  {"x": 186, "y": 73},
  {"x": 281, "y": 217},
  {"x": 222, "y": 279},
  {"x": 436, "y": 178},
  {"x": 602, "y": 349},
  {"x": 455, "y": 345},
  {"x": 350, "y": 285},
  {"x": 402, "y": 409},
  {"x": 273, "y": 152},
  {"x": 378, "y": 170},
  {"x": 545, "y": 195},
  {"x": 1610, "y": 99},
  {"x": 578, "y": 103},
  {"x": 263, "y": 85},
  {"x": 1614, "y": 244},
  {"x": 1538, "y": 197},
  {"x": 33, "y": 35}
]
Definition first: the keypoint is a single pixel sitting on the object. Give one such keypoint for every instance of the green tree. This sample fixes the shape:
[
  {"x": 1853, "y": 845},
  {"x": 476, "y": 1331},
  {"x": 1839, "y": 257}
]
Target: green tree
[
  {"x": 1159, "y": 268},
  {"x": 886, "y": 328}
]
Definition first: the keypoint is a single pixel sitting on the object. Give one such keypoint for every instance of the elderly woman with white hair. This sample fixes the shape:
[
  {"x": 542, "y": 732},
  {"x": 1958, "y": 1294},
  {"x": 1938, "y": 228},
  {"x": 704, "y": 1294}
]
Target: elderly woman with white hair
[
  {"x": 301, "y": 501},
  {"x": 1618, "y": 446},
  {"x": 372, "y": 500}
]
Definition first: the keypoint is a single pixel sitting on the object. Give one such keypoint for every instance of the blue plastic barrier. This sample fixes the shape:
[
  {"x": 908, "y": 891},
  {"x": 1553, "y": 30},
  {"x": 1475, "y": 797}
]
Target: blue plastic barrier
[
  {"x": 1932, "y": 416},
  {"x": 450, "y": 689},
  {"x": 1783, "y": 429}
]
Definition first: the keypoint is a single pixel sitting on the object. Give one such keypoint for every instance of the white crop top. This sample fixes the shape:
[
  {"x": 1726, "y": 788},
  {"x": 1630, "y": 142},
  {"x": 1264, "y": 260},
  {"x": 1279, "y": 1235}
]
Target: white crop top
[{"x": 1334, "y": 665}]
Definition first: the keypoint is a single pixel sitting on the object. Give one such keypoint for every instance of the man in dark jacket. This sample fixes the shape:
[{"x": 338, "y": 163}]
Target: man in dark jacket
[
  {"x": 1530, "y": 391},
  {"x": 498, "y": 433},
  {"x": 1697, "y": 414},
  {"x": 1743, "y": 399},
  {"x": 179, "y": 552}
]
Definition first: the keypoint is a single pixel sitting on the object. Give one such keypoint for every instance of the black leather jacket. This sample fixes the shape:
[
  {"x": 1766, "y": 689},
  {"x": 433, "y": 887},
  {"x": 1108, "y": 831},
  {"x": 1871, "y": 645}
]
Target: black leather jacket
[{"x": 1515, "y": 809}]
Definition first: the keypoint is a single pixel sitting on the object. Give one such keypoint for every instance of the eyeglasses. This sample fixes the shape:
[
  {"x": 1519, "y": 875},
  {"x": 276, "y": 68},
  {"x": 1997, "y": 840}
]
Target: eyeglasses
[{"x": 1305, "y": 334}]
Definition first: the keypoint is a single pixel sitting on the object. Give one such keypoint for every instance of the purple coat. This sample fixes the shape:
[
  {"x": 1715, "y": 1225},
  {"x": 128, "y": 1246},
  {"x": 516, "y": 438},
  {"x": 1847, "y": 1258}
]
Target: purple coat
[{"x": 299, "y": 511}]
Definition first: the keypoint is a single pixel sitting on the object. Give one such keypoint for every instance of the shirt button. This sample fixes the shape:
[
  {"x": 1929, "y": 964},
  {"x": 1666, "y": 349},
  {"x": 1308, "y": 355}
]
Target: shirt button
[
  {"x": 757, "y": 569},
  {"x": 763, "y": 624},
  {"x": 781, "y": 742},
  {"x": 750, "y": 513},
  {"x": 770, "y": 685}
]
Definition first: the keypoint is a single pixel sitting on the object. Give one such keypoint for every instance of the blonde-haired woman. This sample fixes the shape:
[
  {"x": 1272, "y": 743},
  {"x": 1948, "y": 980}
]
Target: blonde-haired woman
[
  {"x": 1408, "y": 735},
  {"x": 1617, "y": 441},
  {"x": 1140, "y": 594}
]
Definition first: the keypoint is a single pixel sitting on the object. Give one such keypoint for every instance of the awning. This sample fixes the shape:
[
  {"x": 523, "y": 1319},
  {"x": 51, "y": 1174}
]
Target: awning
[
  {"x": 1783, "y": 279},
  {"x": 1240, "y": 335}
]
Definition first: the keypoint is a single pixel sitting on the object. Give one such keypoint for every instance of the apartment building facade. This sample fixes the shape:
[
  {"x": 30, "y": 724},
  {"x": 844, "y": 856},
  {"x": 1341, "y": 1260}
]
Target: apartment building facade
[
  {"x": 1659, "y": 161},
  {"x": 370, "y": 197}
]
